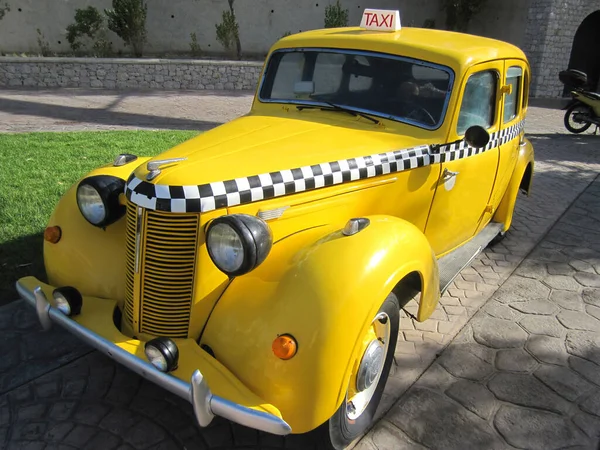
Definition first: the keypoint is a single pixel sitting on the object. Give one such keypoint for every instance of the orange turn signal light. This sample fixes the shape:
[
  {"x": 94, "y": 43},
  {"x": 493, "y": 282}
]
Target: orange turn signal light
[
  {"x": 284, "y": 346},
  {"x": 52, "y": 234}
]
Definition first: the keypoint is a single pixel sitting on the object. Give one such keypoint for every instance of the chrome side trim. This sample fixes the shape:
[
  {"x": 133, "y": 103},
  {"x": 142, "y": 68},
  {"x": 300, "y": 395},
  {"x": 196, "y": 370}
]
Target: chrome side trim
[{"x": 206, "y": 405}]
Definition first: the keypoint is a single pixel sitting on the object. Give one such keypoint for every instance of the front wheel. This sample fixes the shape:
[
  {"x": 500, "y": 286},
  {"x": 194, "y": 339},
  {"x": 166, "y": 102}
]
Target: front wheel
[
  {"x": 369, "y": 375},
  {"x": 573, "y": 122}
]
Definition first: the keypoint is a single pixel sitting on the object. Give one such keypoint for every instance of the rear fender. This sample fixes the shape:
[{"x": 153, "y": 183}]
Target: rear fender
[
  {"x": 324, "y": 289},
  {"x": 521, "y": 179}
]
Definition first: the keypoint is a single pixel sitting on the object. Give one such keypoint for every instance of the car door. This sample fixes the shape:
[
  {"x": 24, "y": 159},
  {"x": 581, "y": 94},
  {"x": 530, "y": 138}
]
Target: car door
[
  {"x": 461, "y": 201},
  {"x": 511, "y": 128}
]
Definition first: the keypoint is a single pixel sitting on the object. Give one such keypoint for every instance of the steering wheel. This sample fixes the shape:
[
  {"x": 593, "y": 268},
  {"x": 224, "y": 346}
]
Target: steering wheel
[{"x": 420, "y": 114}]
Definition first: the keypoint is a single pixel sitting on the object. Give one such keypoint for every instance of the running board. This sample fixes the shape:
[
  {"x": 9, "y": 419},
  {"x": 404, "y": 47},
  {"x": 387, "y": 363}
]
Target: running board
[{"x": 453, "y": 263}]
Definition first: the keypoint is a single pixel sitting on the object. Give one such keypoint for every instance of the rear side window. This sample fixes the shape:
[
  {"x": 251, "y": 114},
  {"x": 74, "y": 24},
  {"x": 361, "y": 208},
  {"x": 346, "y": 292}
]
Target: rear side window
[
  {"x": 514, "y": 75},
  {"x": 479, "y": 100}
]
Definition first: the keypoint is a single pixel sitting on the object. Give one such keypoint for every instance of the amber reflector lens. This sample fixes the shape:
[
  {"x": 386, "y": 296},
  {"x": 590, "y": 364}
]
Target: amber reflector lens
[
  {"x": 52, "y": 234},
  {"x": 284, "y": 346}
]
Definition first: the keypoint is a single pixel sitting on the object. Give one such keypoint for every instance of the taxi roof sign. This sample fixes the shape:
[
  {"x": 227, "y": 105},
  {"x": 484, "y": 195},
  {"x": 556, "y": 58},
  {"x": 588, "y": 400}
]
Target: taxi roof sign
[{"x": 381, "y": 20}]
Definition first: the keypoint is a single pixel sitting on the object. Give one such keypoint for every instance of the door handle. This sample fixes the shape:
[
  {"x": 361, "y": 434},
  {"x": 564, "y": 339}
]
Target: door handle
[{"x": 447, "y": 175}]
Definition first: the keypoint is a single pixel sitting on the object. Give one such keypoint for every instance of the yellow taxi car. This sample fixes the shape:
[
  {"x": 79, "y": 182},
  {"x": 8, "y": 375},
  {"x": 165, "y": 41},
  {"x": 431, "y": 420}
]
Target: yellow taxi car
[{"x": 258, "y": 270}]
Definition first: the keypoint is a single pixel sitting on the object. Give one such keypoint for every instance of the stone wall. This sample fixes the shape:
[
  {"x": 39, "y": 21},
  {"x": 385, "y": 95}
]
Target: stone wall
[
  {"x": 128, "y": 73},
  {"x": 551, "y": 28}
]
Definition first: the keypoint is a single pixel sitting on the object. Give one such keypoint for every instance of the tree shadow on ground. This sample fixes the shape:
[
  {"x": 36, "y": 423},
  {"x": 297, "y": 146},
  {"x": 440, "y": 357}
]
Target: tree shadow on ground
[
  {"x": 102, "y": 116},
  {"x": 19, "y": 258}
]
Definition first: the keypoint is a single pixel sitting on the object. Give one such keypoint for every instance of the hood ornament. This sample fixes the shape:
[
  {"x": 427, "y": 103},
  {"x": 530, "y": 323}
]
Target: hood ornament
[{"x": 153, "y": 167}]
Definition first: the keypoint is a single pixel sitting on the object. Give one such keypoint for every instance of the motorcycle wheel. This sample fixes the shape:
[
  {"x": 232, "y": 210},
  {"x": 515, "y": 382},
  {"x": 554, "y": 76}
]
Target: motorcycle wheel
[{"x": 571, "y": 124}]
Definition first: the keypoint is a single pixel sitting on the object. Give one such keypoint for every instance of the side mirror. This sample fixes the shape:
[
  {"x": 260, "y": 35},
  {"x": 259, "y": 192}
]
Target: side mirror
[{"x": 477, "y": 136}]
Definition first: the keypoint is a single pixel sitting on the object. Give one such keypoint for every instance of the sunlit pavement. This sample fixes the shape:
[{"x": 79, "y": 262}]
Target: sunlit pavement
[{"x": 510, "y": 359}]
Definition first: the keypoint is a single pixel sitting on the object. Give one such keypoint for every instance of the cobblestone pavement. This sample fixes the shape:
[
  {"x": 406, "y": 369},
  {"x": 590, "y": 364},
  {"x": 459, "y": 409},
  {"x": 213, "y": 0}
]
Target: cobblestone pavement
[
  {"x": 93, "y": 403},
  {"x": 525, "y": 371}
]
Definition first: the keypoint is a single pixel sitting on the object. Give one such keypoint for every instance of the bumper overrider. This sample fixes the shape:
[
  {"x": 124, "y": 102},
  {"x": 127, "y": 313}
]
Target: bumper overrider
[{"x": 95, "y": 327}]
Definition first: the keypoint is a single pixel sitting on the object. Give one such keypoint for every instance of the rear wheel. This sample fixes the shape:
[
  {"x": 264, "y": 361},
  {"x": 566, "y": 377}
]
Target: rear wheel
[
  {"x": 369, "y": 375},
  {"x": 573, "y": 121}
]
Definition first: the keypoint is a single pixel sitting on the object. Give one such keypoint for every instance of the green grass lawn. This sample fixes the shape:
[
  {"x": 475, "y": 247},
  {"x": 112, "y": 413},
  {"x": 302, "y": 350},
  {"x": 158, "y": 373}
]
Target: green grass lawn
[{"x": 36, "y": 169}]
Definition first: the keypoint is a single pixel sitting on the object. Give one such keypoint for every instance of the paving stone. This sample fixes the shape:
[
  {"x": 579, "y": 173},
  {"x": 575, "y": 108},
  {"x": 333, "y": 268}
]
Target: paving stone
[
  {"x": 57, "y": 431},
  {"x": 524, "y": 288},
  {"x": 593, "y": 311},
  {"x": 591, "y": 296},
  {"x": 473, "y": 396},
  {"x": 577, "y": 320},
  {"x": 561, "y": 282},
  {"x": 591, "y": 403},
  {"x": 568, "y": 300},
  {"x": 586, "y": 369},
  {"x": 386, "y": 436},
  {"x": 464, "y": 364},
  {"x": 536, "y": 306},
  {"x": 501, "y": 311},
  {"x": 555, "y": 268},
  {"x": 546, "y": 325},
  {"x": 588, "y": 279},
  {"x": 436, "y": 378},
  {"x": 525, "y": 390},
  {"x": 547, "y": 349},
  {"x": 582, "y": 266},
  {"x": 442, "y": 424},
  {"x": 515, "y": 360},
  {"x": 584, "y": 344},
  {"x": 103, "y": 441},
  {"x": 526, "y": 428},
  {"x": 498, "y": 333},
  {"x": 565, "y": 382},
  {"x": 588, "y": 423}
]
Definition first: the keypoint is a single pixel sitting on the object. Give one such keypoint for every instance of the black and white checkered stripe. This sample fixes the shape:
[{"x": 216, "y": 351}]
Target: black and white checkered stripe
[{"x": 221, "y": 194}]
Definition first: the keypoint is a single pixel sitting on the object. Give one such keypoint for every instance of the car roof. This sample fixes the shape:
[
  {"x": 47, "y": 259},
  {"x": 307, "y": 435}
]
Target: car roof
[{"x": 457, "y": 50}]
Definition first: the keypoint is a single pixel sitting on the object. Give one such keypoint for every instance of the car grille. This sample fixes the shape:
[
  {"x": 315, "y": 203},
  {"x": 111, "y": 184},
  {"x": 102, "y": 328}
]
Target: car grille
[{"x": 167, "y": 258}]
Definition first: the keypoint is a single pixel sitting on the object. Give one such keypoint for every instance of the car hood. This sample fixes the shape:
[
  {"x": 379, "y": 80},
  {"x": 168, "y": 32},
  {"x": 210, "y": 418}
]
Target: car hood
[{"x": 253, "y": 145}]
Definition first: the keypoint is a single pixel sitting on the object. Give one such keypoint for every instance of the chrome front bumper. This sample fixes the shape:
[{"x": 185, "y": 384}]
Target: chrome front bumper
[{"x": 206, "y": 405}]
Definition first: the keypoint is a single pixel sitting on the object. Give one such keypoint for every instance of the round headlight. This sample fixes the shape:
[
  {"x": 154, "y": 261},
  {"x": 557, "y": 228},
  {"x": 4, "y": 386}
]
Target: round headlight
[
  {"x": 98, "y": 199},
  {"x": 162, "y": 353},
  {"x": 68, "y": 300},
  {"x": 238, "y": 243}
]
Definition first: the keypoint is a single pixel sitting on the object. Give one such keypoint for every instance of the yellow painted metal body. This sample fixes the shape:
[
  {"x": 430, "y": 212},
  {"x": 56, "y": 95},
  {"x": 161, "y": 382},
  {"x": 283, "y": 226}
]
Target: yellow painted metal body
[{"x": 316, "y": 284}]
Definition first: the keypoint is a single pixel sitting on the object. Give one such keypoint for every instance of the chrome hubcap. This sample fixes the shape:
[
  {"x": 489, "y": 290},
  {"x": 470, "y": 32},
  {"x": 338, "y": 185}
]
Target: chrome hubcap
[{"x": 370, "y": 367}]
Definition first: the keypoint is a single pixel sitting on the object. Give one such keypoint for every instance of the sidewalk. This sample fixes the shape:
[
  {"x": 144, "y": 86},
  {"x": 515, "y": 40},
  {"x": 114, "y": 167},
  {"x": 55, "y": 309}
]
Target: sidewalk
[
  {"x": 525, "y": 371},
  {"x": 522, "y": 373}
]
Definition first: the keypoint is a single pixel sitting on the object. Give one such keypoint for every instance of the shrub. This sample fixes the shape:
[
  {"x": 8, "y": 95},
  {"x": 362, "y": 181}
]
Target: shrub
[
  {"x": 194, "y": 46},
  {"x": 3, "y": 10},
  {"x": 335, "y": 16},
  {"x": 43, "y": 43},
  {"x": 127, "y": 19},
  {"x": 228, "y": 31},
  {"x": 89, "y": 22},
  {"x": 460, "y": 12}
]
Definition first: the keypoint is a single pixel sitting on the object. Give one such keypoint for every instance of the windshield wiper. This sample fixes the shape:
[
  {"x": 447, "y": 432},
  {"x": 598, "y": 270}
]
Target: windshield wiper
[{"x": 336, "y": 107}]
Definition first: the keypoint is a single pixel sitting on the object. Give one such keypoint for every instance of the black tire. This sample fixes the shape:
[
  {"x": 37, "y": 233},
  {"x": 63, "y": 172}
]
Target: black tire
[
  {"x": 338, "y": 432},
  {"x": 575, "y": 127}
]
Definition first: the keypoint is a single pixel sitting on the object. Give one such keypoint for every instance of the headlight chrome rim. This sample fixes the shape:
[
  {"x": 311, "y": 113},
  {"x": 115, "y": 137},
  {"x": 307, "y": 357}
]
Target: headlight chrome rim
[
  {"x": 107, "y": 189},
  {"x": 252, "y": 232}
]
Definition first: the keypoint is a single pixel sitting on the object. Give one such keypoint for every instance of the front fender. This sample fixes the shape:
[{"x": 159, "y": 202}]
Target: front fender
[
  {"x": 519, "y": 180},
  {"x": 90, "y": 258},
  {"x": 324, "y": 289}
]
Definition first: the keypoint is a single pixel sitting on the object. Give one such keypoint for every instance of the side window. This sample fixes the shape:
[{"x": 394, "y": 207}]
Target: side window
[
  {"x": 514, "y": 75},
  {"x": 479, "y": 100}
]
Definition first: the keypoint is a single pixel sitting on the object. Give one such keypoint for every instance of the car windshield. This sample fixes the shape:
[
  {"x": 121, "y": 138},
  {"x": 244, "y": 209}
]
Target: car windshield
[{"x": 397, "y": 88}]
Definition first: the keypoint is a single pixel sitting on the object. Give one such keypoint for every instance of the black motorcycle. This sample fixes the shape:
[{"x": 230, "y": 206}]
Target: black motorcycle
[{"x": 584, "y": 110}]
